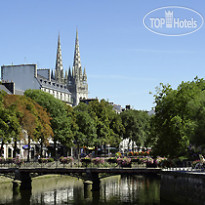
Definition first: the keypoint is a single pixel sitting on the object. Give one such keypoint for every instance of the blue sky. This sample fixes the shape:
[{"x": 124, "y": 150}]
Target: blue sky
[{"x": 124, "y": 61}]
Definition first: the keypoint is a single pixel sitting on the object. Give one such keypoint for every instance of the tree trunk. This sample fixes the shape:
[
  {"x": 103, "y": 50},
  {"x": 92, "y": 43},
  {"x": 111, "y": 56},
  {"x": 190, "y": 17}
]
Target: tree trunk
[{"x": 133, "y": 143}]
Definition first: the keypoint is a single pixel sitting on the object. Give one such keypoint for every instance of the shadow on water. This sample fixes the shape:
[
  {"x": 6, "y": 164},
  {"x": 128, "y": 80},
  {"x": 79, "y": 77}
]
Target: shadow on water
[{"x": 59, "y": 190}]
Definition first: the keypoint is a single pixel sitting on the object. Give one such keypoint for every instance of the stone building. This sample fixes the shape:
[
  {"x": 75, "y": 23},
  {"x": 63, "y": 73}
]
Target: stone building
[{"x": 69, "y": 86}]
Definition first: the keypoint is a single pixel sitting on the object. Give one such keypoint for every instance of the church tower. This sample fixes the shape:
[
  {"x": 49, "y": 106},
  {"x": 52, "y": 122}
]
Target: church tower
[
  {"x": 59, "y": 73},
  {"x": 77, "y": 81}
]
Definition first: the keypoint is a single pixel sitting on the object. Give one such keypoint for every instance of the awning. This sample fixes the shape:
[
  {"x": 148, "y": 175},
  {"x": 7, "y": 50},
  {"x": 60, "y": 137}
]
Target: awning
[{"x": 25, "y": 146}]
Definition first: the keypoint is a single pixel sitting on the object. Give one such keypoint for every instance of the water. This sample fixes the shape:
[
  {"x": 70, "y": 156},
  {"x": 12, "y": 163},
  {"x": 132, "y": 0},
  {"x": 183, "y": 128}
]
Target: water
[{"x": 59, "y": 190}]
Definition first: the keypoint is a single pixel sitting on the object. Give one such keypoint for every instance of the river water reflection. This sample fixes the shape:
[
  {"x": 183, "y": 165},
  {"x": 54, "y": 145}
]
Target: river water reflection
[{"x": 60, "y": 190}]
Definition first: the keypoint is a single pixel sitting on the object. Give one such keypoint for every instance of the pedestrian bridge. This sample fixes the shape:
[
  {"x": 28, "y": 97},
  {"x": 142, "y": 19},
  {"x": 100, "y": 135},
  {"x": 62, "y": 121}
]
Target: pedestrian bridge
[{"x": 24, "y": 175}]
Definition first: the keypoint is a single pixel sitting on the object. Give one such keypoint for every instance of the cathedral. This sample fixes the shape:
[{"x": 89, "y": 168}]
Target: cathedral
[
  {"x": 75, "y": 79},
  {"x": 69, "y": 86}
]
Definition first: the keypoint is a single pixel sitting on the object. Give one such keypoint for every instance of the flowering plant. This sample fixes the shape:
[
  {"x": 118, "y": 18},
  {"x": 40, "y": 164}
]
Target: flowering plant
[
  {"x": 142, "y": 160},
  {"x": 66, "y": 160},
  {"x": 124, "y": 162},
  {"x": 136, "y": 153},
  {"x": 149, "y": 160},
  {"x": 164, "y": 162},
  {"x": 18, "y": 161},
  {"x": 160, "y": 160},
  {"x": 130, "y": 153},
  {"x": 147, "y": 153},
  {"x": 142, "y": 153},
  {"x": 118, "y": 154},
  {"x": 98, "y": 160},
  {"x": 195, "y": 162}
]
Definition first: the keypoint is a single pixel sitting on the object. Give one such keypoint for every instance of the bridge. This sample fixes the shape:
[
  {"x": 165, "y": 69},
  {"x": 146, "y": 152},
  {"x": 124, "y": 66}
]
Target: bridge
[{"x": 24, "y": 175}]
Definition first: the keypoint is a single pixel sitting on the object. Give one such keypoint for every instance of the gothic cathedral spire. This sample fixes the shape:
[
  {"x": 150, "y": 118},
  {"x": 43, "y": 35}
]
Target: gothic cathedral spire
[
  {"x": 59, "y": 74},
  {"x": 76, "y": 61},
  {"x": 77, "y": 81},
  {"x": 84, "y": 75}
]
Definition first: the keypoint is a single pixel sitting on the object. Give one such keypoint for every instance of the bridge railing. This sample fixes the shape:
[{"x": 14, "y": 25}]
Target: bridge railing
[
  {"x": 82, "y": 164},
  {"x": 57, "y": 164}
]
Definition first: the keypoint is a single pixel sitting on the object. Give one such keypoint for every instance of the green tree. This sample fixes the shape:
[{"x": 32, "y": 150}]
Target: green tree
[
  {"x": 58, "y": 110},
  {"x": 9, "y": 125},
  {"x": 32, "y": 118},
  {"x": 178, "y": 118},
  {"x": 137, "y": 125},
  {"x": 98, "y": 124},
  {"x": 108, "y": 124}
]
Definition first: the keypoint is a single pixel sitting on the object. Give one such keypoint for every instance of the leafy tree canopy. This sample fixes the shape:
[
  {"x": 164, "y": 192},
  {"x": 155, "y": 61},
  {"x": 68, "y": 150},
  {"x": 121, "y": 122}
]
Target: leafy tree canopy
[
  {"x": 179, "y": 117},
  {"x": 59, "y": 112}
]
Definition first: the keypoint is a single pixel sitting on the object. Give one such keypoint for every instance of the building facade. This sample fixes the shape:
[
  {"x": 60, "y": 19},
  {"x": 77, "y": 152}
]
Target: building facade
[{"x": 68, "y": 86}]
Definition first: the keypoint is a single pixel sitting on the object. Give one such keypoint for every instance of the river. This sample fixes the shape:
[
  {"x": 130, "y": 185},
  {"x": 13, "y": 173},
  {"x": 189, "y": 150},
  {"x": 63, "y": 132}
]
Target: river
[{"x": 59, "y": 190}]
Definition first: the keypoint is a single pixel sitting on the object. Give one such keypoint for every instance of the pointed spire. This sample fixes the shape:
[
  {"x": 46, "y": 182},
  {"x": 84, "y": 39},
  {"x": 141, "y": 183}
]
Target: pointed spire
[
  {"x": 76, "y": 62},
  {"x": 84, "y": 75},
  {"x": 69, "y": 78},
  {"x": 69, "y": 73},
  {"x": 59, "y": 65}
]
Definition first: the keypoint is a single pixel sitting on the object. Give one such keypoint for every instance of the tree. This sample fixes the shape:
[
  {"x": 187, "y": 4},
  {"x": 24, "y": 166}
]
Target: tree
[
  {"x": 32, "y": 118},
  {"x": 85, "y": 134},
  {"x": 43, "y": 130},
  {"x": 109, "y": 126},
  {"x": 9, "y": 125},
  {"x": 178, "y": 118},
  {"x": 136, "y": 125},
  {"x": 97, "y": 124},
  {"x": 61, "y": 120}
]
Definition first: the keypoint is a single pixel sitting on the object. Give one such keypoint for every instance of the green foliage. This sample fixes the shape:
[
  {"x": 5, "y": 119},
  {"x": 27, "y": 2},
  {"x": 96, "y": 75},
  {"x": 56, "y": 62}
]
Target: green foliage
[
  {"x": 97, "y": 124},
  {"x": 179, "y": 118},
  {"x": 86, "y": 133},
  {"x": 59, "y": 112},
  {"x": 137, "y": 125},
  {"x": 9, "y": 124}
]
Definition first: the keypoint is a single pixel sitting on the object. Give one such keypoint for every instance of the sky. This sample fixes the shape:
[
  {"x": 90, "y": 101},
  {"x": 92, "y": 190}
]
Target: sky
[{"x": 124, "y": 61}]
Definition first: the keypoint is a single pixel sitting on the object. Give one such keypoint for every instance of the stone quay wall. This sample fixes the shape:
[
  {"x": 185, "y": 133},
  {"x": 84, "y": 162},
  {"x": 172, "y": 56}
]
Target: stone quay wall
[{"x": 186, "y": 188}]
